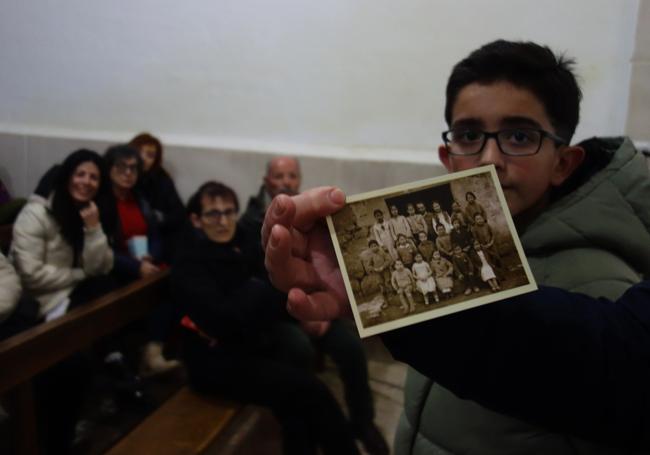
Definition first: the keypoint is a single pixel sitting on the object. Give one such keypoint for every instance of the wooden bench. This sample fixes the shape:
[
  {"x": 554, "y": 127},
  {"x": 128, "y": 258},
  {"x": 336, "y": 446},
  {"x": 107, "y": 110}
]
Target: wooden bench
[
  {"x": 186, "y": 424},
  {"x": 29, "y": 353}
]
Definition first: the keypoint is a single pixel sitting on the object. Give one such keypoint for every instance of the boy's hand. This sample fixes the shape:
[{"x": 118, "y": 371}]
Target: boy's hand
[
  {"x": 300, "y": 257},
  {"x": 90, "y": 215}
]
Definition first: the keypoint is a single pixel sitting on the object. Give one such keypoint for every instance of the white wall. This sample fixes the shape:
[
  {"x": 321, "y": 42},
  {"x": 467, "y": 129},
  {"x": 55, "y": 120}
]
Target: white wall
[{"x": 311, "y": 77}]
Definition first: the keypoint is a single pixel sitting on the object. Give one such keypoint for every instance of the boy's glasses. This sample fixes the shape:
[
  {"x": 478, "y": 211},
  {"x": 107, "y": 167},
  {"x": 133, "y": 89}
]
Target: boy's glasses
[
  {"x": 214, "y": 216},
  {"x": 512, "y": 141}
]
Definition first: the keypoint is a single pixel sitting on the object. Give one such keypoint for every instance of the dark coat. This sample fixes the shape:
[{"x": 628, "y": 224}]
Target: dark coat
[
  {"x": 159, "y": 189},
  {"x": 222, "y": 290}
]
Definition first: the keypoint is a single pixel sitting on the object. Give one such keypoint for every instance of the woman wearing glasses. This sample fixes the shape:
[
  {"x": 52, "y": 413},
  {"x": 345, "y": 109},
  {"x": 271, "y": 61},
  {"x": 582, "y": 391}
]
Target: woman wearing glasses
[{"x": 138, "y": 246}]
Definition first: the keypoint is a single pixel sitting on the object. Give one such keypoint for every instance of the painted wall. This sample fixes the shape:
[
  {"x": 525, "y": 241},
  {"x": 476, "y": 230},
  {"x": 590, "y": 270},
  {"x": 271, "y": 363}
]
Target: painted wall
[{"x": 340, "y": 78}]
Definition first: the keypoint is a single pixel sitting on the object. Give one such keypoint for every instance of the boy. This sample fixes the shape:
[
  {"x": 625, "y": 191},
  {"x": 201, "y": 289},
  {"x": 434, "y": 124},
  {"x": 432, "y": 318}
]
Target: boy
[
  {"x": 443, "y": 241},
  {"x": 398, "y": 224},
  {"x": 554, "y": 383},
  {"x": 465, "y": 270},
  {"x": 405, "y": 250},
  {"x": 382, "y": 234},
  {"x": 402, "y": 281},
  {"x": 461, "y": 236},
  {"x": 377, "y": 263},
  {"x": 425, "y": 247},
  {"x": 416, "y": 221}
]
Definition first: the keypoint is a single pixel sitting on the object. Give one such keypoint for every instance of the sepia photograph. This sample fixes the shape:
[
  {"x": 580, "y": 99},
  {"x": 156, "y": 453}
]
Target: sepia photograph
[{"x": 426, "y": 249}]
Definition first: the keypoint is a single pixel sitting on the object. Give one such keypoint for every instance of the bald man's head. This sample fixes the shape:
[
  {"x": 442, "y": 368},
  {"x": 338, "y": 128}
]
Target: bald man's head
[{"x": 282, "y": 176}]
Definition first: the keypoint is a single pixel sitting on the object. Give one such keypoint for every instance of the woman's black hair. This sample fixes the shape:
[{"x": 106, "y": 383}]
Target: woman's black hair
[{"x": 66, "y": 211}]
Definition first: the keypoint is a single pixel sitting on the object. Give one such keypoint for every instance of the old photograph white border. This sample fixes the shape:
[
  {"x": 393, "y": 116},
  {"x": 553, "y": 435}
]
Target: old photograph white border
[{"x": 453, "y": 308}]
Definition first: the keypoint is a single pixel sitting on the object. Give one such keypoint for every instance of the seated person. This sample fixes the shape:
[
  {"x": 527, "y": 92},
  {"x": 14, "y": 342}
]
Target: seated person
[
  {"x": 158, "y": 188},
  {"x": 231, "y": 343},
  {"x": 9, "y": 206},
  {"x": 138, "y": 248},
  {"x": 335, "y": 339},
  {"x": 10, "y": 291},
  {"x": 62, "y": 255},
  {"x": 60, "y": 248}
]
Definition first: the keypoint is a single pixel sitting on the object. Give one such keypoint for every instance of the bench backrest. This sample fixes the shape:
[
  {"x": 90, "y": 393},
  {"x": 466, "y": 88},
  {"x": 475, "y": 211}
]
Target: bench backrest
[{"x": 28, "y": 353}]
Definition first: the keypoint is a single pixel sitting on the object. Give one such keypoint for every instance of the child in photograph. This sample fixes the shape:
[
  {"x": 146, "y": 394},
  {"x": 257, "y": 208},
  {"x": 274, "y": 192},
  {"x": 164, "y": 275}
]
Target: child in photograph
[
  {"x": 428, "y": 219},
  {"x": 465, "y": 270},
  {"x": 458, "y": 214},
  {"x": 416, "y": 221},
  {"x": 402, "y": 281},
  {"x": 473, "y": 207},
  {"x": 485, "y": 268},
  {"x": 398, "y": 224},
  {"x": 382, "y": 234},
  {"x": 483, "y": 233},
  {"x": 440, "y": 217},
  {"x": 424, "y": 278},
  {"x": 442, "y": 270},
  {"x": 405, "y": 250},
  {"x": 461, "y": 236},
  {"x": 443, "y": 241},
  {"x": 376, "y": 262},
  {"x": 426, "y": 247}
]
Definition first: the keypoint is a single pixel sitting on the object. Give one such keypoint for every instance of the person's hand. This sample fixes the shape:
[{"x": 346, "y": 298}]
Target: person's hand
[
  {"x": 90, "y": 215},
  {"x": 300, "y": 257},
  {"x": 147, "y": 269}
]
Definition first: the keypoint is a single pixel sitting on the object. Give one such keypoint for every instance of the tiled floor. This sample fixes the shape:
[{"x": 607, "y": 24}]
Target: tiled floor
[{"x": 256, "y": 432}]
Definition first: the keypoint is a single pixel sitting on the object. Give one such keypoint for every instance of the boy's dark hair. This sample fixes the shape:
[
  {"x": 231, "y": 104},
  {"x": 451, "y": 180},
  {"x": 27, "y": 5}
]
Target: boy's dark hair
[
  {"x": 212, "y": 190},
  {"x": 377, "y": 211},
  {"x": 122, "y": 152},
  {"x": 526, "y": 65},
  {"x": 373, "y": 241}
]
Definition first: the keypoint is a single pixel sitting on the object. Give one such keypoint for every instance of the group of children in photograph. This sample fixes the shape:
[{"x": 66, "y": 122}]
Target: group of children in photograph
[{"x": 432, "y": 251}]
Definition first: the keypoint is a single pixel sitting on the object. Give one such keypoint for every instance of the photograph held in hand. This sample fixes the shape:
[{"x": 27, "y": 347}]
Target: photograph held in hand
[{"x": 425, "y": 249}]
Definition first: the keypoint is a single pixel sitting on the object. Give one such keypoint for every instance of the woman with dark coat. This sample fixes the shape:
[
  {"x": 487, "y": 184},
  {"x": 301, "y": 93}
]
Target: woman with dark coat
[{"x": 158, "y": 187}]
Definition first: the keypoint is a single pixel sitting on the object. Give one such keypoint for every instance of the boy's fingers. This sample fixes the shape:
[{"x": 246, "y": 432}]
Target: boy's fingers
[
  {"x": 280, "y": 212},
  {"x": 316, "y": 203},
  {"x": 285, "y": 269},
  {"x": 316, "y": 306}
]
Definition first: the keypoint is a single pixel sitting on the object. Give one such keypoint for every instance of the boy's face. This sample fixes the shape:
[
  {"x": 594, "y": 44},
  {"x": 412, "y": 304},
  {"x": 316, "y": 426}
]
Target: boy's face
[
  {"x": 393, "y": 211},
  {"x": 436, "y": 254},
  {"x": 422, "y": 236},
  {"x": 420, "y": 208},
  {"x": 418, "y": 258},
  {"x": 410, "y": 209},
  {"x": 379, "y": 217},
  {"x": 440, "y": 230},
  {"x": 399, "y": 265},
  {"x": 478, "y": 219},
  {"x": 526, "y": 180},
  {"x": 458, "y": 250}
]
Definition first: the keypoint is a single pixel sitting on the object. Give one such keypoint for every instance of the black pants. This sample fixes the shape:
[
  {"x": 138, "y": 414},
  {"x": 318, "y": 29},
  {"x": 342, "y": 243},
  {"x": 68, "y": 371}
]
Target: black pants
[
  {"x": 309, "y": 414},
  {"x": 344, "y": 346}
]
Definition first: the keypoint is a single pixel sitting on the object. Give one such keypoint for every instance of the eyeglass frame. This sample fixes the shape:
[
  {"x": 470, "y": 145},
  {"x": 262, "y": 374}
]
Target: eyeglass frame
[
  {"x": 214, "y": 216},
  {"x": 122, "y": 168},
  {"x": 495, "y": 134}
]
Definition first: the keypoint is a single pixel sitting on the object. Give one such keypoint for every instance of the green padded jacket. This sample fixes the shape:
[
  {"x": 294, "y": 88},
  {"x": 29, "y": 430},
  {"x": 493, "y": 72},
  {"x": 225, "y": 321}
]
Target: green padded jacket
[{"x": 594, "y": 239}]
